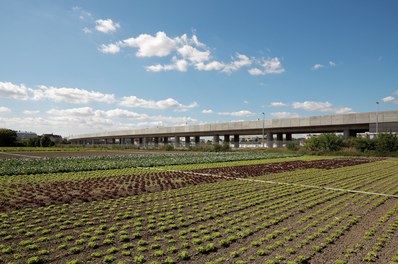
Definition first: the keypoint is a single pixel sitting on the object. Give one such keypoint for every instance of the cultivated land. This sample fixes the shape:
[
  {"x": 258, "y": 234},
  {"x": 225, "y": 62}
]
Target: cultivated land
[{"x": 199, "y": 208}]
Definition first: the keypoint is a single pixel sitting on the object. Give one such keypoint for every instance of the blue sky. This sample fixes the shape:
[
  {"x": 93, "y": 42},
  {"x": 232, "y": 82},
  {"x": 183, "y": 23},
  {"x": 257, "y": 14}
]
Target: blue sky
[{"x": 72, "y": 67}]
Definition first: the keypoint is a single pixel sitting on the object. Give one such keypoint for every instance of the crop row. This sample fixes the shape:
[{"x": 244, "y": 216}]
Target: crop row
[
  {"x": 18, "y": 195},
  {"x": 74, "y": 164},
  {"x": 225, "y": 221}
]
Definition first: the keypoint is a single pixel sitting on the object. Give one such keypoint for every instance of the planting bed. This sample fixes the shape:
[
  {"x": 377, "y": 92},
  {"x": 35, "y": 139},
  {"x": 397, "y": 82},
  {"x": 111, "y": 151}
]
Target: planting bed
[{"x": 262, "y": 212}]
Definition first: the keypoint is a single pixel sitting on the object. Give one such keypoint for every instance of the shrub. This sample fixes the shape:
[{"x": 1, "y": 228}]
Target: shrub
[
  {"x": 386, "y": 143},
  {"x": 364, "y": 144},
  {"x": 325, "y": 142}
]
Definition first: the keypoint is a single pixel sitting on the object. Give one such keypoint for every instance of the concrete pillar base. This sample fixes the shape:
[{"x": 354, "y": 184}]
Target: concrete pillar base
[
  {"x": 236, "y": 141},
  {"x": 270, "y": 140}
]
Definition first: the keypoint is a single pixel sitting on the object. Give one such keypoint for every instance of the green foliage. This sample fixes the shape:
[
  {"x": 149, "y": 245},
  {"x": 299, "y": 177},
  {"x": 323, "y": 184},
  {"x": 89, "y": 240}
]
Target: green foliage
[
  {"x": 325, "y": 142},
  {"x": 386, "y": 143},
  {"x": 8, "y": 137},
  {"x": 45, "y": 141},
  {"x": 364, "y": 144},
  {"x": 35, "y": 260}
]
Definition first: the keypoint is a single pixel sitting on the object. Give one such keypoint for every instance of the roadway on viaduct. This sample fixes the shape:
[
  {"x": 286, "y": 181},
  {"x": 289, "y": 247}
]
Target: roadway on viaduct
[{"x": 348, "y": 124}]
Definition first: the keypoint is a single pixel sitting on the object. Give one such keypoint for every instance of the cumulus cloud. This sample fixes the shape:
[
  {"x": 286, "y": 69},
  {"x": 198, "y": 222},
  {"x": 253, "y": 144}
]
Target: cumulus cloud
[
  {"x": 388, "y": 99},
  {"x": 207, "y": 111},
  {"x": 284, "y": 115},
  {"x": 321, "y": 107},
  {"x": 276, "y": 104},
  {"x": 106, "y": 25},
  {"x": 70, "y": 95},
  {"x": 237, "y": 114},
  {"x": 30, "y": 112},
  {"x": 4, "y": 109},
  {"x": 317, "y": 66},
  {"x": 268, "y": 66},
  {"x": 110, "y": 48},
  {"x": 188, "y": 52},
  {"x": 159, "y": 45},
  {"x": 133, "y": 101},
  {"x": 178, "y": 65},
  {"x": 192, "y": 54},
  {"x": 14, "y": 91},
  {"x": 87, "y": 119}
]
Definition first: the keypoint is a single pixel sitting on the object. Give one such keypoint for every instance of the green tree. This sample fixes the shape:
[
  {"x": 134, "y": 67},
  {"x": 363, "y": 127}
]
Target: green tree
[
  {"x": 387, "y": 143},
  {"x": 364, "y": 144},
  {"x": 8, "y": 137},
  {"x": 45, "y": 141},
  {"x": 325, "y": 142}
]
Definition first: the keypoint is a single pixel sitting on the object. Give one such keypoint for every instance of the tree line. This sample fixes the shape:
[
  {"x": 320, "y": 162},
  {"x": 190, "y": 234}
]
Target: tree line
[{"x": 9, "y": 138}]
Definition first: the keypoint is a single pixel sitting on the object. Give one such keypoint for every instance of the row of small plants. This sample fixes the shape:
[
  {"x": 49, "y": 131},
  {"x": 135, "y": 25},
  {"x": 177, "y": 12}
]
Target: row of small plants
[
  {"x": 222, "y": 222},
  {"x": 74, "y": 164}
]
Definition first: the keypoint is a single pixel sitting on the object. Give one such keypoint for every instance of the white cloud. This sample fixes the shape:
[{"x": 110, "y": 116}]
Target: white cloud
[
  {"x": 211, "y": 66},
  {"x": 238, "y": 113},
  {"x": 31, "y": 112},
  {"x": 133, "y": 101},
  {"x": 4, "y": 109},
  {"x": 106, "y": 25},
  {"x": 70, "y": 95},
  {"x": 178, "y": 65},
  {"x": 388, "y": 99},
  {"x": 110, "y": 48},
  {"x": 318, "y": 66},
  {"x": 276, "y": 104},
  {"x": 159, "y": 45},
  {"x": 239, "y": 62},
  {"x": 284, "y": 115},
  {"x": 87, "y": 30},
  {"x": 10, "y": 90},
  {"x": 332, "y": 64},
  {"x": 321, "y": 107},
  {"x": 186, "y": 52},
  {"x": 194, "y": 55},
  {"x": 207, "y": 111},
  {"x": 268, "y": 66}
]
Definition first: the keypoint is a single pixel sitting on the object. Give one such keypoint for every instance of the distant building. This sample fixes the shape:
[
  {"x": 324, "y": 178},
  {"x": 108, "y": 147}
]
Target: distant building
[{"x": 26, "y": 135}]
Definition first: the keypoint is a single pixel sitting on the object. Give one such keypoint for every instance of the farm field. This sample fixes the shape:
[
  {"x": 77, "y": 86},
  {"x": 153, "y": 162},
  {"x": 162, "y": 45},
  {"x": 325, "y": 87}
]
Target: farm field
[{"x": 193, "y": 208}]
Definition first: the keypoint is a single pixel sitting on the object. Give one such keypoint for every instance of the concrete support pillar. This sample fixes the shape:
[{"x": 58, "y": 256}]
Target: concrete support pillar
[
  {"x": 165, "y": 140},
  {"x": 187, "y": 141},
  {"x": 236, "y": 141},
  {"x": 270, "y": 140},
  {"x": 279, "y": 140},
  {"x": 227, "y": 139},
  {"x": 349, "y": 133},
  {"x": 176, "y": 141},
  {"x": 156, "y": 141},
  {"x": 216, "y": 139},
  {"x": 92, "y": 142},
  {"x": 288, "y": 137},
  {"x": 197, "y": 140},
  {"x": 145, "y": 141}
]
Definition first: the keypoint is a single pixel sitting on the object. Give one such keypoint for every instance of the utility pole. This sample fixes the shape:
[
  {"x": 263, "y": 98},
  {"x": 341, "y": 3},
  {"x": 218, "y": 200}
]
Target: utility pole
[
  {"x": 377, "y": 119},
  {"x": 263, "y": 127}
]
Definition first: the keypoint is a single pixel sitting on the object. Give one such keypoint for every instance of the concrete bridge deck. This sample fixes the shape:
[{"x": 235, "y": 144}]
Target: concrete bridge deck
[{"x": 349, "y": 124}]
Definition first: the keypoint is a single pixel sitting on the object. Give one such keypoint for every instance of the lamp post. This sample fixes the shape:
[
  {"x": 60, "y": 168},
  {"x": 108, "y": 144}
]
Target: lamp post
[
  {"x": 377, "y": 118},
  {"x": 263, "y": 127}
]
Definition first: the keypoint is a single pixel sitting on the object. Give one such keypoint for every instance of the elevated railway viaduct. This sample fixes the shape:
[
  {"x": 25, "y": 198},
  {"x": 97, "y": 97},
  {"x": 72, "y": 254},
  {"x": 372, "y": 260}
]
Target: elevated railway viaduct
[{"x": 277, "y": 131}]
